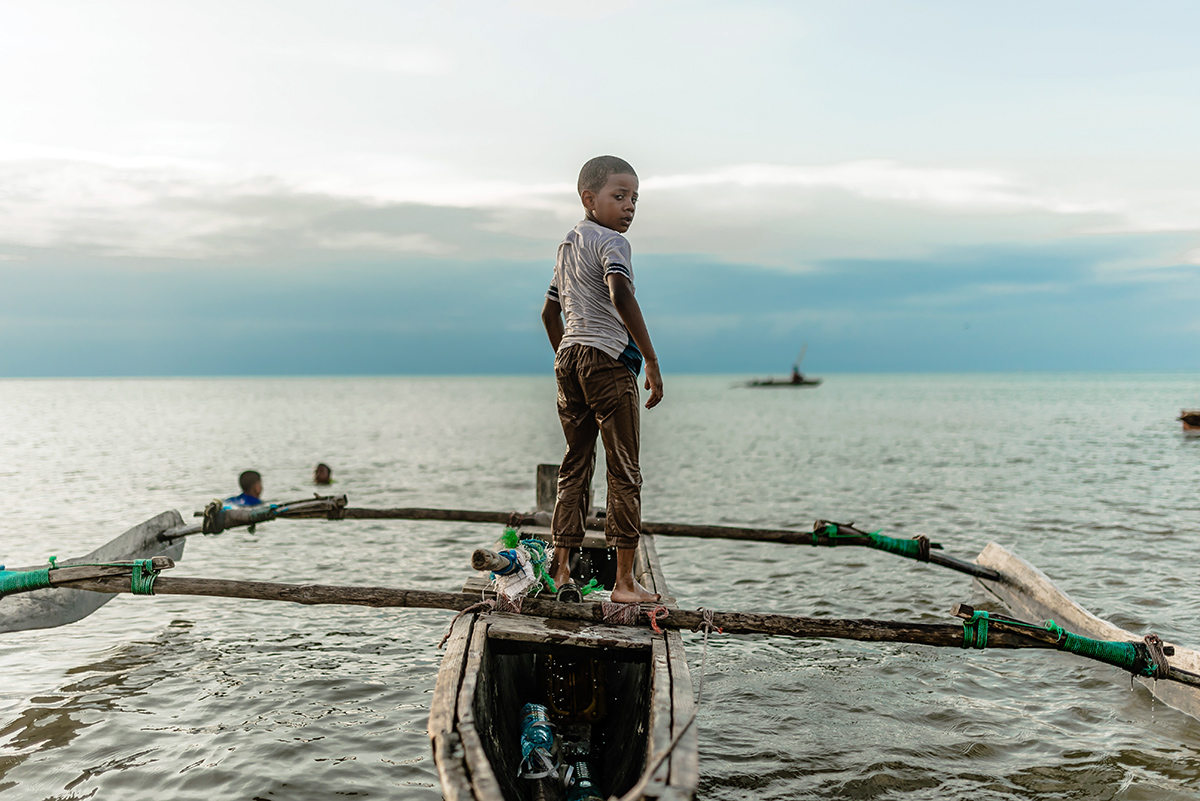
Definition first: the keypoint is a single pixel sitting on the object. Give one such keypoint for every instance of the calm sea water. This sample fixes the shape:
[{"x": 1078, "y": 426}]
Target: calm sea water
[{"x": 166, "y": 698}]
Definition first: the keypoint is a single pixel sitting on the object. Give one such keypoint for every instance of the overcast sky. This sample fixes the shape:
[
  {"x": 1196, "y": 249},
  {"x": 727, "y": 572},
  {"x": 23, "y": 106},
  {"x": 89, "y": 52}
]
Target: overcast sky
[{"x": 379, "y": 187}]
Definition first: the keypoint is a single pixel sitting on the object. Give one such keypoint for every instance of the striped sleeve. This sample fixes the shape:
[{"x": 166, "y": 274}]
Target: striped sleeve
[
  {"x": 552, "y": 294},
  {"x": 617, "y": 258}
]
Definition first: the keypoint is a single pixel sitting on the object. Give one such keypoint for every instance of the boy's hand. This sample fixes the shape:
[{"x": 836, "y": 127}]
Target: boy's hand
[{"x": 654, "y": 383}]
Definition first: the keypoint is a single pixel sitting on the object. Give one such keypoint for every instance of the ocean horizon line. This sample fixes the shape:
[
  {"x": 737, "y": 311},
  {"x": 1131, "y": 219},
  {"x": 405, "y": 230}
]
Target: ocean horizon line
[{"x": 748, "y": 374}]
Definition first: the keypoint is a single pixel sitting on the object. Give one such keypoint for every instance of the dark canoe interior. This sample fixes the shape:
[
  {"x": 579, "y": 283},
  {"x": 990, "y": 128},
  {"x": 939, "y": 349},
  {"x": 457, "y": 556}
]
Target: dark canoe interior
[
  {"x": 599, "y": 701},
  {"x": 510, "y": 677}
]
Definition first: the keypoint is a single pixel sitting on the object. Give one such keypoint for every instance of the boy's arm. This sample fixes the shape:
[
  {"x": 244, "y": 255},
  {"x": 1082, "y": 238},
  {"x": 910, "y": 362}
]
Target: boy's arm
[
  {"x": 552, "y": 319},
  {"x": 620, "y": 290}
]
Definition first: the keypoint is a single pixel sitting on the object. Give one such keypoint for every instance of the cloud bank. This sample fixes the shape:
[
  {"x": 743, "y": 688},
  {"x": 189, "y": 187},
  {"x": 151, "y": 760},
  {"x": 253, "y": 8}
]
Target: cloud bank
[{"x": 776, "y": 215}]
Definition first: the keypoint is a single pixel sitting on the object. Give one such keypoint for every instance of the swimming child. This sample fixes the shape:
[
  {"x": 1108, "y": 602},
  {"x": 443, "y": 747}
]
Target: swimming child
[{"x": 252, "y": 489}]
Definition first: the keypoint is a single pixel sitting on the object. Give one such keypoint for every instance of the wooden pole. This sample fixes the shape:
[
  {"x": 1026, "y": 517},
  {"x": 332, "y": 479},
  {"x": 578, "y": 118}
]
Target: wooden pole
[
  {"x": 939, "y": 634},
  {"x": 483, "y": 559},
  {"x": 865, "y": 630},
  {"x": 547, "y": 487},
  {"x": 217, "y": 518},
  {"x": 463, "y": 515},
  {"x": 781, "y": 536},
  {"x": 66, "y": 575}
]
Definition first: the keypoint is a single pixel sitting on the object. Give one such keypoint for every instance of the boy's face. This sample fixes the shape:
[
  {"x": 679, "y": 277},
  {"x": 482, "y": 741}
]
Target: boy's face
[{"x": 613, "y": 206}]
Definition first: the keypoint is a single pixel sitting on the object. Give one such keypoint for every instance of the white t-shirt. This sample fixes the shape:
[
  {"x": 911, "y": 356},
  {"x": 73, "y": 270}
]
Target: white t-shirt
[{"x": 587, "y": 256}]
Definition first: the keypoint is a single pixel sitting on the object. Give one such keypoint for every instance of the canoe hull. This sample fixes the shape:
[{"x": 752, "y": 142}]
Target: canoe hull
[
  {"x": 808, "y": 382},
  {"x": 1030, "y": 595},
  {"x": 491, "y": 669}
]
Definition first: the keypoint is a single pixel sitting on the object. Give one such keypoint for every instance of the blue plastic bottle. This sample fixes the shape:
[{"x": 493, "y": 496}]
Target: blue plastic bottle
[{"x": 537, "y": 743}]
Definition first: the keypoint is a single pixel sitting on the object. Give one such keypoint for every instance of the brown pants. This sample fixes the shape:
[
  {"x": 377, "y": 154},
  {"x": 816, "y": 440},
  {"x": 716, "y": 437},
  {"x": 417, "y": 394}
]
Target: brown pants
[{"x": 597, "y": 394}]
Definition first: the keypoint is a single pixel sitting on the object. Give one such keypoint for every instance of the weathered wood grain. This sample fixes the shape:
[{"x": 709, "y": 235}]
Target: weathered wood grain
[
  {"x": 446, "y": 743},
  {"x": 483, "y": 778},
  {"x": 445, "y": 691},
  {"x": 483, "y": 559},
  {"x": 547, "y": 487},
  {"x": 684, "y": 763},
  {"x": 949, "y": 635},
  {"x": 655, "y": 571},
  {"x": 523, "y": 628},
  {"x": 661, "y": 717}
]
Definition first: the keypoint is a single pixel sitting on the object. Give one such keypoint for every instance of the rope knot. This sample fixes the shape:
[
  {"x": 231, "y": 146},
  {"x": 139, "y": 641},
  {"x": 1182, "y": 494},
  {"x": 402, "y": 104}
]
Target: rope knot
[
  {"x": 706, "y": 623},
  {"x": 922, "y": 547},
  {"x": 1158, "y": 666}
]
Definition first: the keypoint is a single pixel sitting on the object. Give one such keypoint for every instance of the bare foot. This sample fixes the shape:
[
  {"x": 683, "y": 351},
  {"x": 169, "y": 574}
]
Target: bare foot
[
  {"x": 633, "y": 593},
  {"x": 560, "y": 566}
]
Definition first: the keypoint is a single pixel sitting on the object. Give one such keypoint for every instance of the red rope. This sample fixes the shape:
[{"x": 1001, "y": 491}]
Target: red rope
[{"x": 654, "y": 616}]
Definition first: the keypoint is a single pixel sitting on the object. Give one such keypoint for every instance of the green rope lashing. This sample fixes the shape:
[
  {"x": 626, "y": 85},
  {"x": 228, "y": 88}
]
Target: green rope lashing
[
  {"x": 23, "y": 580},
  {"x": 142, "y": 576},
  {"x": 975, "y": 630},
  {"x": 832, "y": 533},
  {"x": 908, "y": 548},
  {"x": 1125, "y": 655}
]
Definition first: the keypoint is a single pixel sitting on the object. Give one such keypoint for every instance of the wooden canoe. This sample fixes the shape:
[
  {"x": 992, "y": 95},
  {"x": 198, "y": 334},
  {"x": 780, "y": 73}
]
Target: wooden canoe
[
  {"x": 784, "y": 382},
  {"x": 497, "y": 662},
  {"x": 57, "y": 606},
  {"x": 1030, "y": 595}
]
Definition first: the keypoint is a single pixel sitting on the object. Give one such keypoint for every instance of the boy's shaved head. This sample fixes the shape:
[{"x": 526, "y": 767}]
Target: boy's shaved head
[
  {"x": 595, "y": 173},
  {"x": 248, "y": 479}
]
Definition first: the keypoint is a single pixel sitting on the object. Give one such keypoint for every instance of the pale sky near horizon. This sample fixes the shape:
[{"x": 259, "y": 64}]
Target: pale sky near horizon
[{"x": 379, "y": 187}]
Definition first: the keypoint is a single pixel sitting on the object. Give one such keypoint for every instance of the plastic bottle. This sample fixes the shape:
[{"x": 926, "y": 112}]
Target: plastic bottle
[{"x": 537, "y": 743}]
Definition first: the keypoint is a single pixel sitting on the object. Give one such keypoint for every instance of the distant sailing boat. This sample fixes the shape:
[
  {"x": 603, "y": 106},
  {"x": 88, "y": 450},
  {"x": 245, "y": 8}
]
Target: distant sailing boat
[{"x": 798, "y": 378}]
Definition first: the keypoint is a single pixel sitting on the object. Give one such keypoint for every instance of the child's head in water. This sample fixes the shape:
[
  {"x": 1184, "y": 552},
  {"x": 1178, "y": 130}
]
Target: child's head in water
[{"x": 251, "y": 483}]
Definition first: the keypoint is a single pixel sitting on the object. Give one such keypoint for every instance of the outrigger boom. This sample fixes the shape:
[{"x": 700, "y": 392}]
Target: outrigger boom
[
  {"x": 218, "y": 519},
  {"x": 488, "y": 640},
  {"x": 999, "y": 631}
]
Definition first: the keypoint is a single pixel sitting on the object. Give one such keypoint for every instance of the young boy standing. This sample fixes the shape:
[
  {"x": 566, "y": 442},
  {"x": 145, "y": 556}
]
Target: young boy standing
[{"x": 599, "y": 353}]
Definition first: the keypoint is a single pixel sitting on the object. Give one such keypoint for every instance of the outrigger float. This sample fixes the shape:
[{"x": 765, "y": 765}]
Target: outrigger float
[{"x": 553, "y": 700}]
